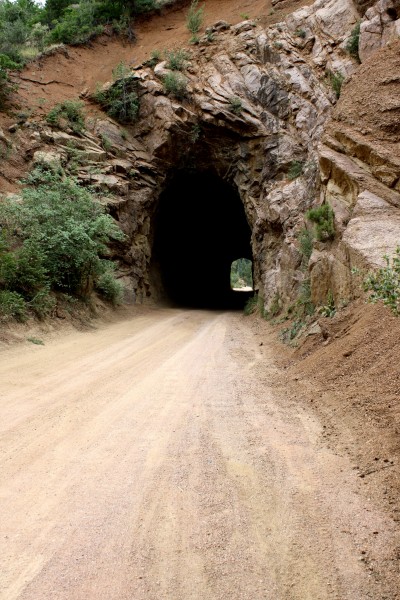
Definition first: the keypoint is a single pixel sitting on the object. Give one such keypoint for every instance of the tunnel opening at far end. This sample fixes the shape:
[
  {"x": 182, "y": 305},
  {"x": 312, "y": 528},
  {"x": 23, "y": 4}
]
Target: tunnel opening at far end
[
  {"x": 242, "y": 275},
  {"x": 200, "y": 228}
]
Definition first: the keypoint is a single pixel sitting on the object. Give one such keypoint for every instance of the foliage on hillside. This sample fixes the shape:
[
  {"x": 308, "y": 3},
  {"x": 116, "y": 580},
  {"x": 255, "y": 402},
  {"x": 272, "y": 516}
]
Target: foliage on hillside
[
  {"x": 27, "y": 28},
  {"x": 53, "y": 239}
]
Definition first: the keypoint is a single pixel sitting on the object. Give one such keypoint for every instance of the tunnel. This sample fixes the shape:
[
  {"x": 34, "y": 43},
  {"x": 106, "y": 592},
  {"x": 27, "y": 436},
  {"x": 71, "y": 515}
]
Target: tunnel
[{"x": 200, "y": 228}]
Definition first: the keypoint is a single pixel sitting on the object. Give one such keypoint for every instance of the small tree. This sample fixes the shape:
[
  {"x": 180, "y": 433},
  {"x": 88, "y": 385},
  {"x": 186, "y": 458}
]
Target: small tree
[{"x": 120, "y": 100}]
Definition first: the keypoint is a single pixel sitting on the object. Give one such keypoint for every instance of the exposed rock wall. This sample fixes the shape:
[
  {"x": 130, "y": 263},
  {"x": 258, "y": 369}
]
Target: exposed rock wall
[
  {"x": 257, "y": 101},
  {"x": 360, "y": 175}
]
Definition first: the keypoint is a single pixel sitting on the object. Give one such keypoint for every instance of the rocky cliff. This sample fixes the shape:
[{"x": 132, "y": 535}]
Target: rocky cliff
[{"x": 260, "y": 110}]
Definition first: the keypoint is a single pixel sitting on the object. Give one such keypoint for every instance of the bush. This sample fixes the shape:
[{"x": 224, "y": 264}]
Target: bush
[
  {"x": 194, "y": 19},
  {"x": 296, "y": 168},
  {"x": 304, "y": 303},
  {"x": 353, "y": 42},
  {"x": 176, "y": 59},
  {"x": 79, "y": 23},
  {"x": 6, "y": 88},
  {"x": 155, "y": 58},
  {"x": 236, "y": 105},
  {"x": 53, "y": 239},
  {"x": 385, "y": 283},
  {"x": 306, "y": 240},
  {"x": 120, "y": 100},
  {"x": 251, "y": 305},
  {"x": 323, "y": 217},
  {"x": 175, "y": 84},
  {"x": 13, "y": 304},
  {"x": 336, "y": 80},
  {"x": 143, "y": 6},
  {"x": 110, "y": 288},
  {"x": 300, "y": 33},
  {"x": 69, "y": 111}
]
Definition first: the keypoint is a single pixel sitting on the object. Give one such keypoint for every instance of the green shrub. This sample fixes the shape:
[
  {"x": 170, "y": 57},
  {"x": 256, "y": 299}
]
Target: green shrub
[
  {"x": 143, "y": 6},
  {"x": 251, "y": 305},
  {"x": 120, "y": 100},
  {"x": 336, "y": 81},
  {"x": 296, "y": 168},
  {"x": 304, "y": 303},
  {"x": 6, "y": 88},
  {"x": 13, "y": 305},
  {"x": 176, "y": 59},
  {"x": 384, "y": 284},
  {"x": 110, "y": 288},
  {"x": 175, "y": 84},
  {"x": 353, "y": 42},
  {"x": 300, "y": 33},
  {"x": 329, "y": 309},
  {"x": 155, "y": 58},
  {"x": 236, "y": 105},
  {"x": 323, "y": 218},
  {"x": 194, "y": 19},
  {"x": 306, "y": 240},
  {"x": 195, "y": 133},
  {"x": 69, "y": 111},
  {"x": 54, "y": 239},
  {"x": 79, "y": 23},
  {"x": 274, "y": 308},
  {"x": 288, "y": 334}
]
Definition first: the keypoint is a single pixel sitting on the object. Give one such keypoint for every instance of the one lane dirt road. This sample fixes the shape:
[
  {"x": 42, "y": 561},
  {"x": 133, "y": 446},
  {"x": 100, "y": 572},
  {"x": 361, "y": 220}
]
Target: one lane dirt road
[{"x": 158, "y": 457}]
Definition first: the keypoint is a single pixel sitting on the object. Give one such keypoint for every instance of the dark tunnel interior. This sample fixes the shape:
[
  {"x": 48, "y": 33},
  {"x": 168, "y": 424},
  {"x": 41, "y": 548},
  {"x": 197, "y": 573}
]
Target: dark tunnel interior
[{"x": 200, "y": 229}]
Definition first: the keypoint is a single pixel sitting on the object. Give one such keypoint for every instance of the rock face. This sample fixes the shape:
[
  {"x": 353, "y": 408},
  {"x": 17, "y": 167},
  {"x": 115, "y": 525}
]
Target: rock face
[
  {"x": 360, "y": 174},
  {"x": 380, "y": 26},
  {"x": 254, "y": 114}
]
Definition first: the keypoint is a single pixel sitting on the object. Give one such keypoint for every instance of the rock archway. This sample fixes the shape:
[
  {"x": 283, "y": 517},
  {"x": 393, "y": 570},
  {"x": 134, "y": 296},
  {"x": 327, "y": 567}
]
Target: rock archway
[{"x": 200, "y": 227}]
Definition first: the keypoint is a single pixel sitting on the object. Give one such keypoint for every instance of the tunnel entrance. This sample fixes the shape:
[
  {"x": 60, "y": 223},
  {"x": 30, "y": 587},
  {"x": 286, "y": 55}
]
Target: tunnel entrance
[{"x": 200, "y": 228}]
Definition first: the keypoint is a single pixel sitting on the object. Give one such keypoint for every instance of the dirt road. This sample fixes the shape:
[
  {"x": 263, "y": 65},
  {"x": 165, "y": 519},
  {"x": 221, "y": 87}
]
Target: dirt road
[{"x": 158, "y": 457}]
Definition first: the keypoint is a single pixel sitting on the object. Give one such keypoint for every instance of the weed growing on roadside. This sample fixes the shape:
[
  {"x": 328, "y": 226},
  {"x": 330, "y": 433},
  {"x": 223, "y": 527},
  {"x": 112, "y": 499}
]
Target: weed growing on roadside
[
  {"x": 384, "y": 284},
  {"x": 36, "y": 341},
  {"x": 329, "y": 309},
  {"x": 251, "y": 305}
]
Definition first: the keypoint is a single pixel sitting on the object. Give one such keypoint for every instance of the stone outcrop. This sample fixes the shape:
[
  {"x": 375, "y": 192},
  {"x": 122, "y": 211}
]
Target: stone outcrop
[
  {"x": 257, "y": 103},
  {"x": 381, "y": 25},
  {"x": 360, "y": 177}
]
